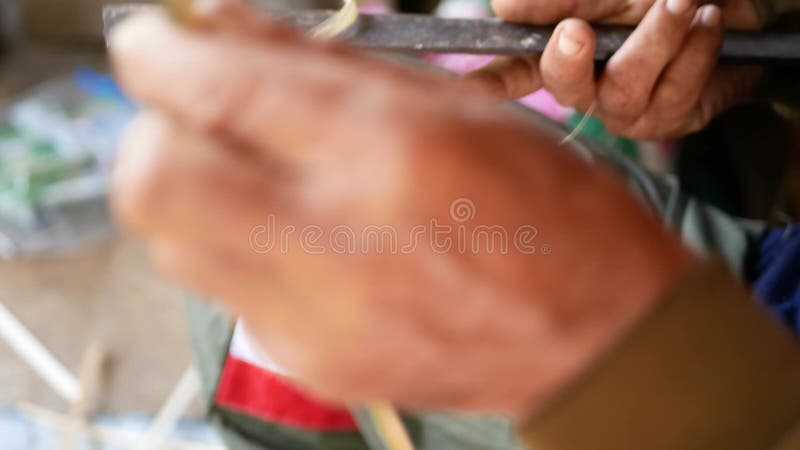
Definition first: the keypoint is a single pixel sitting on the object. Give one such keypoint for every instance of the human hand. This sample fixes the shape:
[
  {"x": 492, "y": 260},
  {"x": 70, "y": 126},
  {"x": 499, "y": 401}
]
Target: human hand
[
  {"x": 256, "y": 131},
  {"x": 663, "y": 83}
]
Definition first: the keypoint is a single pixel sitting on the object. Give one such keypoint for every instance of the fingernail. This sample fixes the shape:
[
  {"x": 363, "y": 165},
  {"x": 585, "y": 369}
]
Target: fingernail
[
  {"x": 567, "y": 45},
  {"x": 711, "y": 15},
  {"x": 679, "y": 7}
]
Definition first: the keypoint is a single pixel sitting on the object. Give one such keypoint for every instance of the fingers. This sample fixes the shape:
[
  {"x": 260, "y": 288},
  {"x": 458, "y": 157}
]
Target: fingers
[
  {"x": 172, "y": 184},
  {"x": 259, "y": 92},
  {"x": 657, "y": 85},
  {"x": 631, "y": 74},
  {"x": 507, "y": 78},
  {"x": 550, "y": 11},
  {"x": 566, "y": 69},
  {"x": 568, "y": 64},
  {"x": 150, "y": 53},
  {"x": 683, "y": 82},
  {"x": 738, "y": 14}
]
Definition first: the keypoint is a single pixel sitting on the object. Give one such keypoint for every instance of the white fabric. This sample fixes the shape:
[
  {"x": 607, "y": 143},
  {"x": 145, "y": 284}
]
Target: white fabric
[{"x": 244, "y": 348}]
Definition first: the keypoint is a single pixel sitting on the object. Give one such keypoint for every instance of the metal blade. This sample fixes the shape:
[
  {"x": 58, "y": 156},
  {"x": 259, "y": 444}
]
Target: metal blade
[{"x": 429, "y": 34}]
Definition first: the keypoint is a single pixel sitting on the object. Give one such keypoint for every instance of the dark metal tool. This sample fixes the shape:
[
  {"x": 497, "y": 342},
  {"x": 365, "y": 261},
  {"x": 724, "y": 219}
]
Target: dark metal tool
[{"x": 428, "y": 34}]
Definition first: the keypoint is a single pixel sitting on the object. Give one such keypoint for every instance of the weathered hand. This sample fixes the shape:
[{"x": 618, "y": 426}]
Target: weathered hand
[
  {"x": 663, "y": 83},
  {"x": 265, "y": 160}
]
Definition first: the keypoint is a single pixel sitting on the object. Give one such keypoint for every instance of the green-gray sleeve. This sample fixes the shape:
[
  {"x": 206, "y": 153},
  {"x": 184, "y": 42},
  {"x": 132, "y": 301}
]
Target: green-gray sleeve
[{"x": 702, "y": 227}]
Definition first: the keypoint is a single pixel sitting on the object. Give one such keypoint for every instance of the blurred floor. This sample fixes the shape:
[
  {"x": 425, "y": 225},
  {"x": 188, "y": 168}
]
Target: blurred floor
[
  {"x": 110, "y": 293},
  {"x": 19, "y": 433}
]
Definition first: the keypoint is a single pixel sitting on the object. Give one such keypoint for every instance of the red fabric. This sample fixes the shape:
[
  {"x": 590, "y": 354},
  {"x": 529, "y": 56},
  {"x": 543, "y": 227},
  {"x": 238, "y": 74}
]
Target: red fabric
[{"x": 253, "y": 391}]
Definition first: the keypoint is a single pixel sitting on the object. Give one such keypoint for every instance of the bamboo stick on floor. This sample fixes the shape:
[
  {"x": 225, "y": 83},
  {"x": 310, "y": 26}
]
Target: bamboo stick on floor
[
  {"x": 91, "y": 369},
  {"x": 36, "y": 355},
  {"x": 103, "y": 434},
  {"x": 174, "y": 408}
]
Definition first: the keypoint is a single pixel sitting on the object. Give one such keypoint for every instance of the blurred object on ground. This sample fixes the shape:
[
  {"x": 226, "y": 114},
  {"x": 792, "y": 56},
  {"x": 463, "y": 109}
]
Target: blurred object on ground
[
  {"x": 21, "y": 433},
  {"x": 56, "y": 148}
]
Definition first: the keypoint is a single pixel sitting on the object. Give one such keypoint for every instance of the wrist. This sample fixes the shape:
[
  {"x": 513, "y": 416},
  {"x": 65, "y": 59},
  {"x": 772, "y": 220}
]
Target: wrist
[
  {"x": 706, "y": 369},
  {"x": 615, "y": 271}
]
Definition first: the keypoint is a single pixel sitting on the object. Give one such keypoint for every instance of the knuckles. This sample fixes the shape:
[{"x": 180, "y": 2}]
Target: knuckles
[
  {"x": 671, "y": 100},
  {"x": 621, "y": 99}
]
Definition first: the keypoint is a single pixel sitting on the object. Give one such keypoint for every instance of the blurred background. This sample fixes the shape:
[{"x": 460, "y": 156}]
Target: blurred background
[
  {"x": 65, "y": 274},
  {"x": 79, "y": 304}
]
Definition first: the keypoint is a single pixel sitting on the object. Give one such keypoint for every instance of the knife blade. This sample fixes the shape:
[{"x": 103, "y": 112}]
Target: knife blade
[{"x": 412, "y": 33}]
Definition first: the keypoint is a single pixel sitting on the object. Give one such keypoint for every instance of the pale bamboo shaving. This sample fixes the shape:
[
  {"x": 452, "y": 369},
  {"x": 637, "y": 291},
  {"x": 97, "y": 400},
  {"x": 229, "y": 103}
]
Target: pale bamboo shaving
[
  {"x": 91, "y": 370},
  {"x": 390, "y": 427},
  {"x": 338, "y": 23},
  {"x": 580, "y": 126}
]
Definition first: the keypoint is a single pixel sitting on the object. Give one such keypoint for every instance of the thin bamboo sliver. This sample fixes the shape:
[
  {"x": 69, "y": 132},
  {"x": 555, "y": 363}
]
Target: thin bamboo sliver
[{"x": 339, "y": 22}]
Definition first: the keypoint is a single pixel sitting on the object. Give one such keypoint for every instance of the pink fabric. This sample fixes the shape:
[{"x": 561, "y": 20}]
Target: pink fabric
[{"x": 375, "y": 7}]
